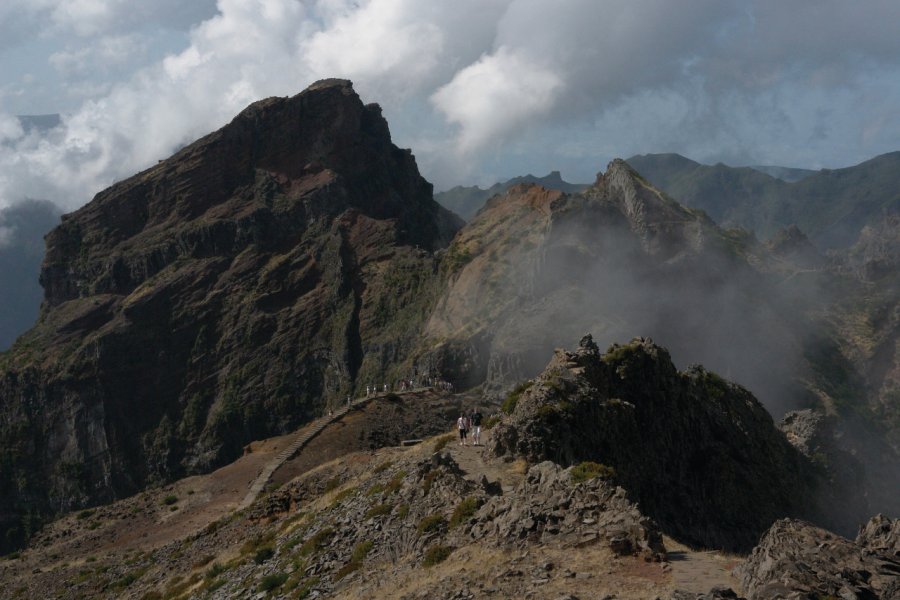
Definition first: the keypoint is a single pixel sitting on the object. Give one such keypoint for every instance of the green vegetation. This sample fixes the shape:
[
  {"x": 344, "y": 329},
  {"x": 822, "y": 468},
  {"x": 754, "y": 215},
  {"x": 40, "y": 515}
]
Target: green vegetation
[
  {"x": 256, "y": 542},
  {"x": 618, "y": 353},
  {"x": 375, "y": 489},
  {"x": 382, "y": 467},
  {"x": 490, "y": 422},
  {"x": 441, "y": 442},
  {"x": 436, "y": 554},
  {"x": 553, "y": 409},
  {"x": 129, "y": 578},
  {"x": 512, "y": 398},
  {"x": 214, "y": 571},
  {"x": 317, "y": 541},
  {"x": 263, "y": 554},
  {"x": 379, "y": 510},
  {"x": 403, "y": 511},
  {"x": 457, "y": 257},
  {"x": 395, "y": 483},
  {"x": 342, "y": 495},
  {"x": 431, "y": 524},
  {"x": 333, "y": 484},
  {"x": 306, "y": 589},
  {"x": 85, "y": 514},
  {"x": 169, "y": 500},
  {"x": 590, "y": 470},
  {"x": 212, "y": 585},
  {"x": 272, "y": 582},
  {"x": 464, "y": 511},
  {"x": 360, "y": 551}
]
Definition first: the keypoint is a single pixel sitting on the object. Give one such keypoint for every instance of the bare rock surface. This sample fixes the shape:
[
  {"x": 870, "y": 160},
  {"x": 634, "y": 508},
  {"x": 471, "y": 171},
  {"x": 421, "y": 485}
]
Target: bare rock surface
[
  {"x": 797, "y": 560},
  {"x": 547, "y": 507}
]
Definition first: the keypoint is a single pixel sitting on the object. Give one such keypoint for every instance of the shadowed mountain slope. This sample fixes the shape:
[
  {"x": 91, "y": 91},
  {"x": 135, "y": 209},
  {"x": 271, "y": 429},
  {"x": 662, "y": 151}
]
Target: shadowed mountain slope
[{"x": 226, "y": 294}]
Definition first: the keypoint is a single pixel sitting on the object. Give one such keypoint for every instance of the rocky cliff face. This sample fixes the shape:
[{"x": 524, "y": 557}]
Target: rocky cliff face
[
  {"x": 797, "y": 560},
  {"x": 227, "y": 293},
  {"x": 699, "y": 454}
]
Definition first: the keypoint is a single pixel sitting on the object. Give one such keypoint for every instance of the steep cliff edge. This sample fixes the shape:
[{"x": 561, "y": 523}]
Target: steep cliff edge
[
  {"x": 223, "y": 295},
  {"x": 699, "y": 454}
]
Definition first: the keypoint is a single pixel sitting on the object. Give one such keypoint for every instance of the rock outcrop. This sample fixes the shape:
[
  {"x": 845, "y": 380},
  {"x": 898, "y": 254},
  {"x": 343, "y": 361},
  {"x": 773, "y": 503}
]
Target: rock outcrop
[
  {"x": 798, "y": 560},
  {"x": 226, "y": 294},
  {"x": 698, "y": 454},
  {"x": 552, "y": 507},
  {"x": 881, "y": 534}
]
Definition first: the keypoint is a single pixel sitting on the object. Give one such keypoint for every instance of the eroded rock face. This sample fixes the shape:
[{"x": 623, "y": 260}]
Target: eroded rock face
[
  {"x": 881, "y": 534},
  {"x": 798, "y": 560},
  {"x": 549, "y": 507},
  {"x": 224, "y": 295},
  {"x": 698, "y": 454},
  {"x": 407, "y": 509},
  {"x": 843, "y": 490}
]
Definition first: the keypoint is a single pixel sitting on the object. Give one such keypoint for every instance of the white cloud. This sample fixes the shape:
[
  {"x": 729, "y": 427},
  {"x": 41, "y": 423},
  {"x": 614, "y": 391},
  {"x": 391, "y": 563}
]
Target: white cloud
[
  {"x": 476, "y": 87},
  {"x": 10, "y": 128},
  {"x": 100, "y": 55},
  {"x": 497, "y": 94}
]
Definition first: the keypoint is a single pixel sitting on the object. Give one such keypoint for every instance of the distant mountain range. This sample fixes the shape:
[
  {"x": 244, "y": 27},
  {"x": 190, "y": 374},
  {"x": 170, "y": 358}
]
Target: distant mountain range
[
  {"x": 467, "y": 201},
  {"x": 829, "y": 206},
  {"x": 788, "y": 174}
]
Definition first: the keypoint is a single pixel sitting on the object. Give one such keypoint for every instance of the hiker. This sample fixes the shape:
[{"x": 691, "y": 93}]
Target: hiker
[
  {"x": 462, "y": 423},
  {"x": 475, "y": 418}
]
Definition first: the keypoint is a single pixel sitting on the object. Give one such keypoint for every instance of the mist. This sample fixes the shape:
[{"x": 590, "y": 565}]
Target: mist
[
  {"x": 689, "y": 294},
  {"x": 620, "y": 261}
]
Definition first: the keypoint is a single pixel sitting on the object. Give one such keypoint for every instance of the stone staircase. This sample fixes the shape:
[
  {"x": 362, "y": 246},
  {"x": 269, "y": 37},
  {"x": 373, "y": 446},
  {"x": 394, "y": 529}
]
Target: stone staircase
[{"x": 300, "y": 441}]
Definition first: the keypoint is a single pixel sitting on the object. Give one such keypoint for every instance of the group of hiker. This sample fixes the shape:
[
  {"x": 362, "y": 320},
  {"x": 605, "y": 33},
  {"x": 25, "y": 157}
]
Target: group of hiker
[
  {"x": 470, "y": 423},
  {"x": 407, "y": 385}
]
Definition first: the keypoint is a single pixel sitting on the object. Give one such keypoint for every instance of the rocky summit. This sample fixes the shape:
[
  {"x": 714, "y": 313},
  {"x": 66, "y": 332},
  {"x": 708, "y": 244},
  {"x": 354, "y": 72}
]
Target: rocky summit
[
  {"x": 700, "y": 455},
  {"x": 229, "y": 293}
]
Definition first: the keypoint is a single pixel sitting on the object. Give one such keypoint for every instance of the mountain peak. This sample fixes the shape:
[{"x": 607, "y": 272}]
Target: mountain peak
[{"x": 294, "y": 151}]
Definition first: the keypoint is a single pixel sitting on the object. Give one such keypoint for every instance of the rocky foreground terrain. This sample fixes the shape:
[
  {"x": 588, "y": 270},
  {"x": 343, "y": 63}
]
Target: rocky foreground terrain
[{"x": 441, "y": 520}]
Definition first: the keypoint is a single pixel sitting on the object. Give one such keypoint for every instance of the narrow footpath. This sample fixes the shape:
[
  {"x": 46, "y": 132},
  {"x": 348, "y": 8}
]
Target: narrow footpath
[{"x": 303, "y": 437}]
